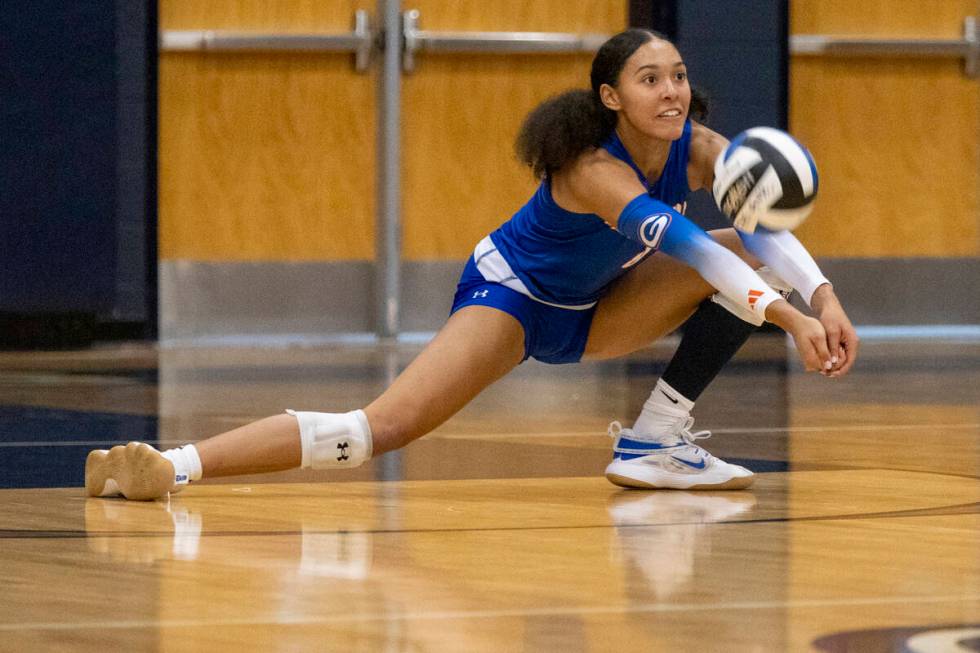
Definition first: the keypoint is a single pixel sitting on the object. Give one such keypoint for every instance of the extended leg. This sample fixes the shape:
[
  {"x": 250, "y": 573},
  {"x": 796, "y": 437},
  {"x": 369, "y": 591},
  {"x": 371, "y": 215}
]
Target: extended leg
[{"x": 477, "y": 346}]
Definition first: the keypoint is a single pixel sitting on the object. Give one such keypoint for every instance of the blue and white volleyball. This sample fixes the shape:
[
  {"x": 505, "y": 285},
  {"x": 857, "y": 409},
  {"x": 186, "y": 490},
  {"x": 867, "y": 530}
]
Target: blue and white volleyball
[{"x": 765, "y": 178}]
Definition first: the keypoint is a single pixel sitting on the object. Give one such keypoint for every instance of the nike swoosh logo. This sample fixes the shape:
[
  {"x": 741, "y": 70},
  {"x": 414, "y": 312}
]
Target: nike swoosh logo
[
  {"x": 668, "y": 396},
  {"x": 689, "y": 463}
]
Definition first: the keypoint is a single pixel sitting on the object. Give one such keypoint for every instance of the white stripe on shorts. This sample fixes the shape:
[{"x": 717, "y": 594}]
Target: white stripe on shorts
[{"x": 495, "y": 268}]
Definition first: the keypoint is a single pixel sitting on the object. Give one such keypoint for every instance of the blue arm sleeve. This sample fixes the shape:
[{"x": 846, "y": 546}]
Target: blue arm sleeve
[{"x": 656, "y": 225}]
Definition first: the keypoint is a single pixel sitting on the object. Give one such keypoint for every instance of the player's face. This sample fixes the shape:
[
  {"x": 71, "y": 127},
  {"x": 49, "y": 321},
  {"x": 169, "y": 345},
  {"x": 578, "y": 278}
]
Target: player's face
[{"x": 653, "y": 91}]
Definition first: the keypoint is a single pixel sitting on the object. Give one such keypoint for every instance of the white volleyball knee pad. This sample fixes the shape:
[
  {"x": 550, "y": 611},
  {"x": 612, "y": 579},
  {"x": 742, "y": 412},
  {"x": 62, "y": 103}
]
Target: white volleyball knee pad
[
  {"x": 333, "y": 440},
  {"x": 775, "y": 282}
]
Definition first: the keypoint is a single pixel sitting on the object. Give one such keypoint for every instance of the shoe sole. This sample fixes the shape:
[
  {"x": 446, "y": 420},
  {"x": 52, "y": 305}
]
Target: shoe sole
[
  {"x": 139, "y": 470},
  {"x": 736, "y": 483}
]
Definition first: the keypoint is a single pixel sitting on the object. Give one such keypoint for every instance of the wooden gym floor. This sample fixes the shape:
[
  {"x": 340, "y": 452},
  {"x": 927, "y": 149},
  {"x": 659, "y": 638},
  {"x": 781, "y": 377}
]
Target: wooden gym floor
[{"x": 498, "y": 532}]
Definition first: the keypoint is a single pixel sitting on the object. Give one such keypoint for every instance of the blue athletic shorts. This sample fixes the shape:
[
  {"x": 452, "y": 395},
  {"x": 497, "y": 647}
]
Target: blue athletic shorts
[{"x": 551, "y": 334}]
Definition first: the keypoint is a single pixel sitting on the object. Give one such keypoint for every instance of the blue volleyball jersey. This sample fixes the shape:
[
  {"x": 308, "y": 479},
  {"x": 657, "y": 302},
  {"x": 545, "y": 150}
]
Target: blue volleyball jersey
[{"x": 568, "y": 259}]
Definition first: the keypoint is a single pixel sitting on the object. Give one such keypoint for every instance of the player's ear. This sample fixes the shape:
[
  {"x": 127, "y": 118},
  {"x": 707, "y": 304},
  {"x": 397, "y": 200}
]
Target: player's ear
[{"x": 609, "y": 97}]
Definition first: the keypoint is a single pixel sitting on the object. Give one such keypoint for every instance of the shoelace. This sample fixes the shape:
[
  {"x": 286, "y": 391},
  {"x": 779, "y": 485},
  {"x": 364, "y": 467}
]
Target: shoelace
[
  {"x": 689, "y": 437},
  {"x": 616, "y": 429}
]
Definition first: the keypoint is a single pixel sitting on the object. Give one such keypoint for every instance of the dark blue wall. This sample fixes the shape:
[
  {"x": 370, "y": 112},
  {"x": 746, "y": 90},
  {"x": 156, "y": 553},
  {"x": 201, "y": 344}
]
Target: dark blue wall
[
  {"x": 76, "y": 226},
  {"x": 737, "y": 53}
]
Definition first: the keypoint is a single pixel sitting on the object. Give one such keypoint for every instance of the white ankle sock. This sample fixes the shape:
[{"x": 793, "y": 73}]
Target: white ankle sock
[
  {"x": 663, "y": 411},
  {"x": 187, "y": 464}
]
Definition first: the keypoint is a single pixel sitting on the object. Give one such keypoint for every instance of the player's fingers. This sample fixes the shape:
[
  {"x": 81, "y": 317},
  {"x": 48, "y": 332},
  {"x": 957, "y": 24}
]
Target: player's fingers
[
  {"x": 833, "y": 346},
  {"x": 841, "y": 357},
  {"x": 812, "y": 361},
  {"x": 807, "y": 356},
  {"x": 822, "y": 354},
  {"x": 850, "y": 351},
  {"x": 837, "y": 358},
  {"x": 811, "y": 364},
  {"x": 833, "y": 338}
]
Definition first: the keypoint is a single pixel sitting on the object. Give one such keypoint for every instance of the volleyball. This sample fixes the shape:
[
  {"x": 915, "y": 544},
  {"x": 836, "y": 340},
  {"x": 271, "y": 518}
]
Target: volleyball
[{"x": 766, "y": 178}]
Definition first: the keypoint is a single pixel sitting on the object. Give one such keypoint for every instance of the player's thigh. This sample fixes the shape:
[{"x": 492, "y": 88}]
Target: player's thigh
[
  {"x": 476, "y": 346},
  {"x": 652, "y": 300}
]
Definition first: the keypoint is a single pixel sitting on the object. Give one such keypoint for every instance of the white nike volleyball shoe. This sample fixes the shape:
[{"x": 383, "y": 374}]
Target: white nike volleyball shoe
[{"x": 671, "y": 461}]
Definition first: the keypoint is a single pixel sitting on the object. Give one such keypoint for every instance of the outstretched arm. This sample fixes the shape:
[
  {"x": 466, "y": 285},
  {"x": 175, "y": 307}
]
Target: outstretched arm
[
  {"x": 788, "y": 258},
  {"x": 602, "y": 185},
  {"x": 685, "y": 241}
]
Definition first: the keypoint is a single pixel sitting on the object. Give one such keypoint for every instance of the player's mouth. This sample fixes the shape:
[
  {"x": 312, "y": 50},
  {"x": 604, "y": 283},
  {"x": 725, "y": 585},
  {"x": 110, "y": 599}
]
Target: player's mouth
[{"x": 670, "y": 114}]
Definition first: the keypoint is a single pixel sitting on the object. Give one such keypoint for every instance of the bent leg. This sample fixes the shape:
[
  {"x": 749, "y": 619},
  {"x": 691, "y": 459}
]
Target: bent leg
[
  {"x": 659, "y": 451},
  {"x": 651, "y": 301}
]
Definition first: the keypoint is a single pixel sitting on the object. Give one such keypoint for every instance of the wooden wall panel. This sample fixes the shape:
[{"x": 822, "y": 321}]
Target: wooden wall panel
[
  {"x": 897, "y": 141},
  {"x": 273, "y": 15},
  {"x": 461, "y": 177},
  {"x": 265, "y": 156},
  {"x": 898, "y": 18}
]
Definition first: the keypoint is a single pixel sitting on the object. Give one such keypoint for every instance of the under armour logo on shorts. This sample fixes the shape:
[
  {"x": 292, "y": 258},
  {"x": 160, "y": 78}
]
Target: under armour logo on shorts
[{"x": 479, "y": 294}]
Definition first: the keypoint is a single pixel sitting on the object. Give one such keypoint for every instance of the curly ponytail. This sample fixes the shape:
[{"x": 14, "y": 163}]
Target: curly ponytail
[{"x": 560, "y": 129}]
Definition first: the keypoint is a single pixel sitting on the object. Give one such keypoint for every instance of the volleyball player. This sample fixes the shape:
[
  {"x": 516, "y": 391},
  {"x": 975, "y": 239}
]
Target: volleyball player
[{"x": 599, "y": 263}]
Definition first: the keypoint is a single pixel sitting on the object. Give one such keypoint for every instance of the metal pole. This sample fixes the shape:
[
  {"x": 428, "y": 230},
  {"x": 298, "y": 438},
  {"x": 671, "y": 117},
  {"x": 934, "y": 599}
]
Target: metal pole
[{"x": 388, "y": 238}]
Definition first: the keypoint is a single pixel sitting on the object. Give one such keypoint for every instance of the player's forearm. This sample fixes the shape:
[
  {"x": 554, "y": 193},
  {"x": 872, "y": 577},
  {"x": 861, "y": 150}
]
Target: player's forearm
[
  {"x": 787, "y": 257},
  {"x": 656, "y": 225},
  {"x": 824, "y": 297},
  {"x": 784, "y": 315}
]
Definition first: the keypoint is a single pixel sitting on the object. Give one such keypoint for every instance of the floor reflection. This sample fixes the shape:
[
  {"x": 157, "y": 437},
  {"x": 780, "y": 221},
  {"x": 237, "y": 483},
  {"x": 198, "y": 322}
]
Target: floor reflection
[
  {"x": 148, "y": 532},
  {"x": 659, "y": 539},
  {"x": 661, "y": 536}
]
